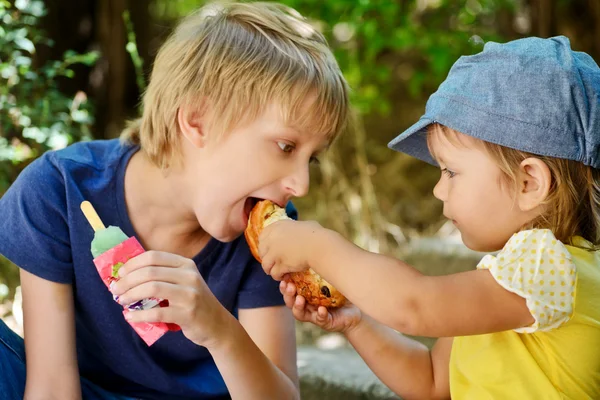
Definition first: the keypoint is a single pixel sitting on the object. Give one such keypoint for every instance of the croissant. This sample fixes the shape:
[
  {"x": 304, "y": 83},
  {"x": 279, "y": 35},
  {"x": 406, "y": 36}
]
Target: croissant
[{"x": 316, "y": 290}]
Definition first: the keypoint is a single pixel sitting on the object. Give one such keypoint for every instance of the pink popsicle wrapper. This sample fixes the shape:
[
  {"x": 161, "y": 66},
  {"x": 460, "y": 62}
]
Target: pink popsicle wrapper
[{"x": 108, "y": 264}]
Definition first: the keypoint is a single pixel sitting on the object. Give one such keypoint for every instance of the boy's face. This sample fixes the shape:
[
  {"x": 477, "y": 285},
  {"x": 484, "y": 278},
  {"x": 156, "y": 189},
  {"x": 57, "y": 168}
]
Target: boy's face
[
  {"x": 482, "y": 208},
  {"x": 262, "y": 159}
]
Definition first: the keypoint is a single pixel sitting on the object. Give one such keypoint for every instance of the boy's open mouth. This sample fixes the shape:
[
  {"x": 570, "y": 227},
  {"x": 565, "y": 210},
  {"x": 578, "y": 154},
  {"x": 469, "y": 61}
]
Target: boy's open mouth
[{"x": 249, "y": 205}]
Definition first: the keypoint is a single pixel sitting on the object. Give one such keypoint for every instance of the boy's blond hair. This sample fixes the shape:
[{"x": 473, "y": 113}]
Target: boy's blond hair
[
  {"x": 240, "y": 58},
  {"x": 572, "y": 207}
]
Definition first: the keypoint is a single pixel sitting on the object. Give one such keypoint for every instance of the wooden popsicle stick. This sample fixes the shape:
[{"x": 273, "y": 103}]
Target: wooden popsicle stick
[{"x": 92, "y": 216}]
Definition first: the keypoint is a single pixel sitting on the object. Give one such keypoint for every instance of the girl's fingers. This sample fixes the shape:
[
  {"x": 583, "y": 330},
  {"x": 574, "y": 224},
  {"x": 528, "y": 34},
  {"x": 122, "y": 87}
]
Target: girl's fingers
[
  {"x": 268, "y": 263},
  {"x": 299, "y": 311},
  {"x": 321, "y": 316},
  {"x": 282, "y": 287},
  {"x": 291, "y": 289},
  {"x": 289, "y": 301},
  {"x": 322, "y": 312}
]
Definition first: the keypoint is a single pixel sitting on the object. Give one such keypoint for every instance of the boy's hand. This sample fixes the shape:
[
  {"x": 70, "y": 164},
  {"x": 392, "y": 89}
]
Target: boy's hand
[
  {"x": 192, "y": 305},
  {"x": 284, "y": 246},
  {"x": 340, "y": 320}
]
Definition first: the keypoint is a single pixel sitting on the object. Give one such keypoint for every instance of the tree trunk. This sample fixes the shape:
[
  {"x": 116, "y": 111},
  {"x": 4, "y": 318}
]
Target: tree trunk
[
  {"x": 542, "y": 16},
  {"x": 109, "y": 77}
]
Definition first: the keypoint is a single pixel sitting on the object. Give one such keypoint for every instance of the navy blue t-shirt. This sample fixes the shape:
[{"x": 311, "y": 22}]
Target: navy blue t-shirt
[{"x": 43, "y": 231}]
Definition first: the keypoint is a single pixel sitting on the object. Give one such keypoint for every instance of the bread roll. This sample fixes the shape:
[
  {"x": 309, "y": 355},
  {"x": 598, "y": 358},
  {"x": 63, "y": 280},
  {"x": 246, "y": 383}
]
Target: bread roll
[{"x": 316, "y": 290}]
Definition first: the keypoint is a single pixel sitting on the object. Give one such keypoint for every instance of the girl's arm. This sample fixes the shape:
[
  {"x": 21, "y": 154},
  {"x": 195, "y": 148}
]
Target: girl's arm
[
  {"x": 258, "y": 358},
  {"x": 391, "y": 291},
  {"x": 49, "y": 322},
  {"x": 406, "y": 366},
  {"x": 397, "y": 295}
]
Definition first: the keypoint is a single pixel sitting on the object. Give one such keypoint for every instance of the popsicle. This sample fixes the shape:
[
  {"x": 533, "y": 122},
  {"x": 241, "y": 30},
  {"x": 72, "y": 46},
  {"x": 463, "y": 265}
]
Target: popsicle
[
  {"x": 107, "y": 238},
  {"x": 111, "y": 248}
]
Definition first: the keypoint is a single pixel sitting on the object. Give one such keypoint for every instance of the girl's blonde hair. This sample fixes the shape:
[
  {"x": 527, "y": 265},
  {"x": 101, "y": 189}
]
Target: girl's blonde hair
[
  {"x": 239, "y": 58},
  {"x": 573, "y": 202}
]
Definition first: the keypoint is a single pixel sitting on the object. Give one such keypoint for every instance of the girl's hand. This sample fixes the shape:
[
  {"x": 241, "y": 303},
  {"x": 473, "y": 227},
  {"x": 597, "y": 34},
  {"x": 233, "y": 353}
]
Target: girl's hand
[
  {"x": 192, "y": 305},
  {"x": 340, "y": 320},
  {"x": 284, "y": 246}
]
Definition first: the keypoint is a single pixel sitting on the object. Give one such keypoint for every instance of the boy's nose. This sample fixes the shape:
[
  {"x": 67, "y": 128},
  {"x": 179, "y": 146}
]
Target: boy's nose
[{"x": 298, "y": 182}]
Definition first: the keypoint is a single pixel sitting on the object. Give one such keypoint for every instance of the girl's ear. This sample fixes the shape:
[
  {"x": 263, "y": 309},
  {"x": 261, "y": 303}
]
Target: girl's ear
[
  {"x": 535, "y": 180},
  {"x": 192, "y": 120}
]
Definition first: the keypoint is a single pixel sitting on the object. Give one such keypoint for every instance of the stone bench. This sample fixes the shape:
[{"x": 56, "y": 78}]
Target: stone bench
[{"x": 338, "y": 374}]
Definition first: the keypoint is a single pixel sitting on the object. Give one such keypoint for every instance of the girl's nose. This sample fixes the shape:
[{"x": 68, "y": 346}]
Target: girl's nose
[{"x": 440, "y": 189}]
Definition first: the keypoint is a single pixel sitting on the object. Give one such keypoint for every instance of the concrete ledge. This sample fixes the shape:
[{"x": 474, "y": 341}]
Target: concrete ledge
[{"x": 338, "y": 374}]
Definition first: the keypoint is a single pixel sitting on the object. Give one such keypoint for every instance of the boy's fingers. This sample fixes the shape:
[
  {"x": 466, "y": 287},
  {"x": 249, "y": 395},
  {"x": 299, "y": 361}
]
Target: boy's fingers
[
  {"x": 144, "y": 275},
  {"x": 149, "y": 258}
]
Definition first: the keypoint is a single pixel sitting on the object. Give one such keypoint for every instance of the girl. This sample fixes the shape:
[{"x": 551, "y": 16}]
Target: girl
[{"x": 520, "y": 175}]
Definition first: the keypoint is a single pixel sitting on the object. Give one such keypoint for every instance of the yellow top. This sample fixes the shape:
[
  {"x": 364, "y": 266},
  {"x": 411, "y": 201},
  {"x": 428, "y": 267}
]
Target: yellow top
[{"x": 558, "y": 357}]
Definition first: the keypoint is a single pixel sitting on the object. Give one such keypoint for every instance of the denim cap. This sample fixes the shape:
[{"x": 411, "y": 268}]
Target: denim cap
[{"x": 534, "y": 95}]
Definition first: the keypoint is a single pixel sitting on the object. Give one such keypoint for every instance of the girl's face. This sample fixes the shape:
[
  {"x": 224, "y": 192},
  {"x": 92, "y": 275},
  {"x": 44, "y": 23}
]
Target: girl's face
[
  {"x": 476, "y": 198},
  {"x": 262, "y": 159}
]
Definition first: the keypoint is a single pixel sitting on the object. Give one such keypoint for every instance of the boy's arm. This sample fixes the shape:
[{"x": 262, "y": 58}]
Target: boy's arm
[
  {"x": 49, "y": 322},
  {"x": 397, "y": 295},
  {"x": 406, "y": 366},
  {"x": 258, "y": 358}
]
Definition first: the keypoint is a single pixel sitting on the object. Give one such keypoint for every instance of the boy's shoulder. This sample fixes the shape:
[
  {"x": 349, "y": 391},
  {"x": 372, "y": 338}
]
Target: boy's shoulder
[{"x": 98, "y": 155}]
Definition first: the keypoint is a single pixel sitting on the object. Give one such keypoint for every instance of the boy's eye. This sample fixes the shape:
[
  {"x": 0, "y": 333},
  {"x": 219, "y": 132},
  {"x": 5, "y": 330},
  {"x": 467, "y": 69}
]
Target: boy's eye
[
  {"x": 449, "y": 173},
  {"x": 286, "y": 147}
]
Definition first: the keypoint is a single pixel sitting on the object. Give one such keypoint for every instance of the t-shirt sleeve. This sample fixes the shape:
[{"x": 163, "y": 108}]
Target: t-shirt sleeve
[
  {"x": 34, "y": 233},
  {"x": 539, "y": 268},
  {"x": 259, "y": 289}
]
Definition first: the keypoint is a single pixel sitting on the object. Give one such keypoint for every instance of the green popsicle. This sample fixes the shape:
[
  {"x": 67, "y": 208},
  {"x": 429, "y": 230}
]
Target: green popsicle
[{"x": 104, "y": 238}]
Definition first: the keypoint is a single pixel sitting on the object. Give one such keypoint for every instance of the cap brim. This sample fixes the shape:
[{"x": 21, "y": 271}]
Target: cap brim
[{"x": 413, "y": 141}]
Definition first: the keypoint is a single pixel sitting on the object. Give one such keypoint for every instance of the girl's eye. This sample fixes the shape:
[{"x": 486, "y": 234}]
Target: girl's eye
[
  {"x": 286, "y": 147},
  {"x": 449, "y": 173}
]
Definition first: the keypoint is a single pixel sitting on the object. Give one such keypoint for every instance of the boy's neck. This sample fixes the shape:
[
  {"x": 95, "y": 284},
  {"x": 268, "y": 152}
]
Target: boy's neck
[{"x": 158, "y": 211}]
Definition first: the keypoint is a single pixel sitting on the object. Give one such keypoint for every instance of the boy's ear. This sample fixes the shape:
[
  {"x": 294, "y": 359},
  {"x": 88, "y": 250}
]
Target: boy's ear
[
  {"x": 535, "y": 180},
  {"x": 191, "y": 119}
]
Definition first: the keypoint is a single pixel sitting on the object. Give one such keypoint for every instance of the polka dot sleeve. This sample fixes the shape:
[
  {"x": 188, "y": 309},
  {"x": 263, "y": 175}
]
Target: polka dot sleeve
[{"x": 539, "y": 268}]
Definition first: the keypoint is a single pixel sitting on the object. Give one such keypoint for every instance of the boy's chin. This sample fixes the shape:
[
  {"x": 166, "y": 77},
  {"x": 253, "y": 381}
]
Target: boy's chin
[
  {"x": 226, "y": 237},
  {"x": 223, "y": 232}
]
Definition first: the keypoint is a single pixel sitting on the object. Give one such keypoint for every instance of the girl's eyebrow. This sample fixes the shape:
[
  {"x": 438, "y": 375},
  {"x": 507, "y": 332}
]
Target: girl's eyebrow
[{"x": 437, "y": 157}]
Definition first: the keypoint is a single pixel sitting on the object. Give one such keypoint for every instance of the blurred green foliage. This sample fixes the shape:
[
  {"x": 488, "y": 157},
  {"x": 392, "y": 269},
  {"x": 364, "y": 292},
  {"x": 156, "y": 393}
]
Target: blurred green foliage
[
  {"x": 394, "y": 53},
  {"x": 34, "y": 115}
]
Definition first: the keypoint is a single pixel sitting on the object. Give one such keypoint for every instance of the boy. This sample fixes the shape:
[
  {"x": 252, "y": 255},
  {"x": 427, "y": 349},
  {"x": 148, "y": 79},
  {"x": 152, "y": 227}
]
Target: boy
[{"x": 233, "y": 94}]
